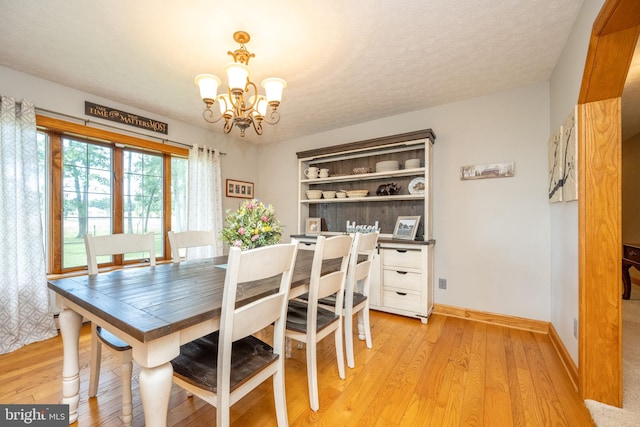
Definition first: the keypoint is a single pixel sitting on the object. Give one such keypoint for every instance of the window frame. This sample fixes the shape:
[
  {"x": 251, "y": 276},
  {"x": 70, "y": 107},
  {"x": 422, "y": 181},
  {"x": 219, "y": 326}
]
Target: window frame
[{"x": 56, "y": 129}]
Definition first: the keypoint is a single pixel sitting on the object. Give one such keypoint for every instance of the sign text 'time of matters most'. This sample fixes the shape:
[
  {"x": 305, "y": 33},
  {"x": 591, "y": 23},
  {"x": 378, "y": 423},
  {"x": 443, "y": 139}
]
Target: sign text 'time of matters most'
[{"x": 95, "y": 110}]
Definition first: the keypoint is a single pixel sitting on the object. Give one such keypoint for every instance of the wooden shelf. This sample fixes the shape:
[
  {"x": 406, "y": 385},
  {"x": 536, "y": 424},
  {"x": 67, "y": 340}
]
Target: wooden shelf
[
  {"x": 365, "y": 176},
  {"x": 367, "y": 199}
]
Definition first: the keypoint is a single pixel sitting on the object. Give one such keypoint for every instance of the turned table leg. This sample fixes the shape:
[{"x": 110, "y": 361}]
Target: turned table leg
[
  {"x": 155, "y": 389},
  {"x": 70, "y": 324}
]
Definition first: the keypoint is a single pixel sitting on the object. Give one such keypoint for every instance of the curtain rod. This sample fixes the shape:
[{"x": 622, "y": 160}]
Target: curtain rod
[{"x": 87, "y": 121}]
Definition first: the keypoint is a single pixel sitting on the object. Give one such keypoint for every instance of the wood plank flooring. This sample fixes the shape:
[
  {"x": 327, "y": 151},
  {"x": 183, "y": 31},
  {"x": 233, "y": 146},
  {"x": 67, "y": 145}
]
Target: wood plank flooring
[{"x": 451, "y": 372}]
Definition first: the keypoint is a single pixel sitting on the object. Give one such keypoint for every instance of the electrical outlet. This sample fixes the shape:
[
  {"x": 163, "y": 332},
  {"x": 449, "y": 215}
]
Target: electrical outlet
[
  {"x": 442, "y": 283},
  {"x": 575, "y": 328}
]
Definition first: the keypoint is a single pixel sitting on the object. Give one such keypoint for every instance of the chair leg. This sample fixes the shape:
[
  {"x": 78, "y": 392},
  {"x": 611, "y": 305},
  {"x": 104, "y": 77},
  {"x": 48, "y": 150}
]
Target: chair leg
[
  {"x": 363, "y": 316},
  {"x": 287, "y": 348},
  {"x": 223, "y": 417},
  {"x": 312, "y": 375},
  {"x": 94, "y": 367},
  {"x": 348, "y": 340},
  {"x": 279, "y": 395},
  {"x": 339, "y": 351},
  {"x": 126, "y": 370}
]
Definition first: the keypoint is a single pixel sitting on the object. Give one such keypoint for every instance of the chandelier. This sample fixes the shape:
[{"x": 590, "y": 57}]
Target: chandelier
[{"x": 242, "y": 105}]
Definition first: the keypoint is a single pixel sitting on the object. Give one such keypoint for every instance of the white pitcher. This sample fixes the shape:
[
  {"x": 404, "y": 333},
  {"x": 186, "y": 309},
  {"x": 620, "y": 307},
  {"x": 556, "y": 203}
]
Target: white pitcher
[{"x": 311, "y": 172}]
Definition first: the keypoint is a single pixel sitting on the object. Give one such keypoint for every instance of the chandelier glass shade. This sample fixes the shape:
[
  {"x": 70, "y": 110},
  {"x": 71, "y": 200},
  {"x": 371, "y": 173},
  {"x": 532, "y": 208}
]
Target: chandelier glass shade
[{"x": 242, "y": 106}]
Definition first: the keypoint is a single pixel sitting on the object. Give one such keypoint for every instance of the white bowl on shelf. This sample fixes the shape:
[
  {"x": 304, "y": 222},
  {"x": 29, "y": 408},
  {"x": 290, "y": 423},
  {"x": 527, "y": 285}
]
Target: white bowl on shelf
[
  {"x": 314, "y": 194},
  {"x": 357, "y": 193},
  {"x": 341, "y": 194},
  {"x": 387, "y": 165},
  {"x": 412, "y": 163},
  {"x": 329, "y": 194}
]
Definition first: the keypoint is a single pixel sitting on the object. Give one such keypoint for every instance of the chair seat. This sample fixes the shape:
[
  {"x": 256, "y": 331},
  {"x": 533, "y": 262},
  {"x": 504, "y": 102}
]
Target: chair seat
[
  {"x": 297, "y": 317},
  {"x": 197, "y": 363},
  {"x": 111, "y": 340},
  {"x": 331, "y": 299}
]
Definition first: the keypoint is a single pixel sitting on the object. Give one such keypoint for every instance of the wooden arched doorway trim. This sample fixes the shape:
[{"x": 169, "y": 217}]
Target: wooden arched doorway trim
[{"x": 613, "y": 39}]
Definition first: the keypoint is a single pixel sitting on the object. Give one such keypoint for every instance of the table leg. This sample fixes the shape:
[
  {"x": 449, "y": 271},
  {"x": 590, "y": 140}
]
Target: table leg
[
  {"x": 626, "y": 279},
  {"x": 70, "y": 324},
  {"x": 155, "y": 389}
]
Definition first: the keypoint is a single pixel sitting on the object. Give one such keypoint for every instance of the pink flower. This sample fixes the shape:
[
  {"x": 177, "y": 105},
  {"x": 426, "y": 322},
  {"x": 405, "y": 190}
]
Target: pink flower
[
  {"x": 241, "y": 231},
  {"x": 254, "y": 237},
  {"x": 237, "y": 243},
  {"x": 250, "y": 206},
  {"x": 264, "y": 218}
]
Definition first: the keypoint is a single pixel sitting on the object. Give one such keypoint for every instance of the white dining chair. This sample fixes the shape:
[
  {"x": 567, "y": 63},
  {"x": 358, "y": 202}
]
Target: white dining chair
[
  {"x": 224, "y": 366},
  {"x": 189, "y": 239},
  {"x": 114, "y": 244},
  {"x": 309, "y": 323},
  {"x": 356, "y": 294}
]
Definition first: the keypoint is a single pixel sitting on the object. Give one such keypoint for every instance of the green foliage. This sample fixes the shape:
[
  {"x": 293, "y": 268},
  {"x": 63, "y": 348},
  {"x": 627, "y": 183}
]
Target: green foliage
[{"x": 253, "y": 225}]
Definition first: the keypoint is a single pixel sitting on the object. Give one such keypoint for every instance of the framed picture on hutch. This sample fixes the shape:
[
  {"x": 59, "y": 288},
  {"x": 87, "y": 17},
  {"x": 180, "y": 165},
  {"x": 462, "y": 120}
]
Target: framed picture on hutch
[
  {"x": 314, "y": 226},
  {"x": 406, "y": 227}
]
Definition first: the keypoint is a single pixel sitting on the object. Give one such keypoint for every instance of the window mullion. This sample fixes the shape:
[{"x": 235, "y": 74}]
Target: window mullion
[
  {"x": 56, "y": 212},
  {"x": 118, "y": 223}
]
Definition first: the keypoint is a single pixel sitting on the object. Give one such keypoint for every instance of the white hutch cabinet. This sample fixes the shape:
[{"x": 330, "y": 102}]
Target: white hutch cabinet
[{"x": 402, "y": 279}]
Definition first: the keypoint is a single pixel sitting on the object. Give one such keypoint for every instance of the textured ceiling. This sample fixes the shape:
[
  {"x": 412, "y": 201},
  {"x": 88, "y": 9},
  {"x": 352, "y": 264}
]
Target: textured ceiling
[{"x": 345, "y": 62}]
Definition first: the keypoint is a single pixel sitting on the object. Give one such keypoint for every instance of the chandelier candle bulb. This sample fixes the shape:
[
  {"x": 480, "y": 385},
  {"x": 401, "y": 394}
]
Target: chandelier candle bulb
[
  {"x": 274, "y": 87},
  {"x": 237, "y": 75},
  {"x": 208, "y": 84}
]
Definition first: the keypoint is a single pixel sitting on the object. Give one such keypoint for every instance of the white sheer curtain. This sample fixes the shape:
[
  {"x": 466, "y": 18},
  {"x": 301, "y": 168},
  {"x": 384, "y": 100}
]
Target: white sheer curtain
[
  {"x": 205, "y": 197},
  {"x": 24, "y": 298}
]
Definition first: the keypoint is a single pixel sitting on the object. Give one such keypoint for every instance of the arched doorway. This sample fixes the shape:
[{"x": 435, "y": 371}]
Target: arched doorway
[{"x": 613, "y": 39}]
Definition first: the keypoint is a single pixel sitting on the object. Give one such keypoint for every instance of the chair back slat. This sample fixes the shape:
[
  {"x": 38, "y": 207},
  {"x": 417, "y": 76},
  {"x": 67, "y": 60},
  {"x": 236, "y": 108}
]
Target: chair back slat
[
  {"x": 253, "y": 317},
  {"x": 331, "y": 283},
  {"x": 116, "y": 244}
]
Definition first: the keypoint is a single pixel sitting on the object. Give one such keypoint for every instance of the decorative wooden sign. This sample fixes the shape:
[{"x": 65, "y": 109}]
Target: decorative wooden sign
[{"x": 107, "y": 113}]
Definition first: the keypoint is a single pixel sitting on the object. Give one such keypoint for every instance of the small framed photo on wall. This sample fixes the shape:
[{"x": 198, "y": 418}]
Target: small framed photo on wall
[{"x": 241, "y": 189}]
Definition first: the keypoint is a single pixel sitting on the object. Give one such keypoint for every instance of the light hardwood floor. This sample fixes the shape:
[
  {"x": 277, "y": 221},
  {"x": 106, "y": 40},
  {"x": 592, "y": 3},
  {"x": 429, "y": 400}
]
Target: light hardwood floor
[{"x": 451, "y": 372}]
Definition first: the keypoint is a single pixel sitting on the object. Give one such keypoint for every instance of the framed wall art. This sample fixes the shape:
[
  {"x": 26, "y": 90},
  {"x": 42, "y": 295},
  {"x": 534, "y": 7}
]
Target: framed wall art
[
  {"x": 406, "y": 227},
  {"x": 241, "y": 189},
  {"x": 570, "y": 168},
  {"x": 556, "y": 166},
  {"x": 489, "y": 170}
]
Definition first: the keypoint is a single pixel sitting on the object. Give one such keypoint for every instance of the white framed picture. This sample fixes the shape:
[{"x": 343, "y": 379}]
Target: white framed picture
[{"x": 406, "y": 227}]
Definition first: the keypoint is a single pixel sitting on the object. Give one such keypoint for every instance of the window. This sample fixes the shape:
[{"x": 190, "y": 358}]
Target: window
[
  {"x": 179, "y": 193},
  {"x": 103, "y": 187},
  {"x": 87, "y": 194}
]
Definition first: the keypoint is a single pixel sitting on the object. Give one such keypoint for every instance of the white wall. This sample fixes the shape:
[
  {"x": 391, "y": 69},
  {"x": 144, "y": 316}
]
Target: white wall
[
  {"x": 564, "y": 90},
  {"x": 492, "y": 236},
  {"x": 241, "y": 161}
]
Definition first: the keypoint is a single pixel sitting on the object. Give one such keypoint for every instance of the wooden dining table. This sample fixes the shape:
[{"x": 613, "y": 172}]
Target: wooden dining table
[{"x": 155, "y": 310}]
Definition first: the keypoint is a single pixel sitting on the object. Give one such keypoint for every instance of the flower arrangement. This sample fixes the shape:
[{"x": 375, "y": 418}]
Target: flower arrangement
[{"x": 254, "y": 224}]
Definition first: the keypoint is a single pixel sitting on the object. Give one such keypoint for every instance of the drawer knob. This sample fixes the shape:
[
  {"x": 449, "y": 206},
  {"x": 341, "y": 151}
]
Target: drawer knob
[
  {"x": 404, "y": 294},
  {"x": 401, "y": 250},
  {"x": 401, "y": 272}
]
